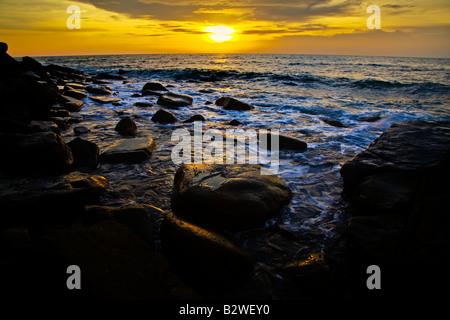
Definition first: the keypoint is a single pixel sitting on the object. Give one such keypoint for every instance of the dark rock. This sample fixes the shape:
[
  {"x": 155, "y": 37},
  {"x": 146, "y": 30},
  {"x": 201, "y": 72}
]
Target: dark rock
[
  {"x": 43, "y": 126},
  {"x": 121, "y": 71},
  {"x": 85, "y": 153},
  {"x": 39, "y": 153},
  {"x": 3, "y": 47},
  {"x": 151, "y": 93},
  {"x": 74, "y": 86},
  {"x": 97, "y": 81},
  {"x": 100, "y": 90},
  {"x": 229, "y": 103},
  {"x": 154, "y": 86},
  {"x": 105, "y": 100},
  {"x": 334, "y": 123},
  {"x": 312, "y": 273},
  {"x": 59, "y": 113},
  {"x": 75, "y": 94},
  {"x": 370, "y": 119},
  {"x": 207, "y": 103},
  {"x": 284, "y": 142},
  {"x": 232, "y": 196},
  {"x": 29, "y": 63},
  {"x": 14, "y": 126},
  {"x": 129, "y": 151},
  {"x": 174, "y": 100},
  {"x": 406, "y": 147},
  {"x": 197, "y": 117},
  {"x": 48, "y": 199},
  {"x": 72, "y": 104},
  {"x": 135, "y": 218},
  {"x": 106, "y": 76},
  {"x": 234, "y": 122},
  {"x": 126, "y": 127},
  {"x": 115, "y": 264},
  {"x": 79, "y": 130},
  {"x": 204, "y": 257},
  {"x": 164, "y": 117},
  {"x": 143, "y": 104}
]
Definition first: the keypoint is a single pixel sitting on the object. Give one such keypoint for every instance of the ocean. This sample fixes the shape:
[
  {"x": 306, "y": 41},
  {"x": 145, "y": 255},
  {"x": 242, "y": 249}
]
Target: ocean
[{"x": 337, "y": 104}]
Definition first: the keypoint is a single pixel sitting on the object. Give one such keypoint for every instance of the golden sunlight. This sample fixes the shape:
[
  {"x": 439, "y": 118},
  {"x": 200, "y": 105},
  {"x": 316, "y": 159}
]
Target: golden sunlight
[{"x": 220, "y": 33}]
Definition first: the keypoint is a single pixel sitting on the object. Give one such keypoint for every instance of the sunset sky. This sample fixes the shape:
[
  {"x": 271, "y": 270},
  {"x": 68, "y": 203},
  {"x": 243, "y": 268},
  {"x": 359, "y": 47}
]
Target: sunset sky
[{"x": 408, "y": 27}]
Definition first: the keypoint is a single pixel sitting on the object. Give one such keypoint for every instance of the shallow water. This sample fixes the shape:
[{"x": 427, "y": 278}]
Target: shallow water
[{"x": 292, "y": 93}]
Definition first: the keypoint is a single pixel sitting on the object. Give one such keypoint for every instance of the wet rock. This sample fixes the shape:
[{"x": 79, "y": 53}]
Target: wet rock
[
  {"x": 105, "y": 100},
  {"x": 74, "y": 86},
  {"x": 232, "y": 196},
  {"x": 43, "y": 126},
  {"x": 197, "y": 117},
  {"x": 313, "y": 273},
  {"x": 151, "y": 93},
  {"x": 136, "y": 218},
  {"x": 398, "y": 188},
  {"x": 143, "y": 104},
  {"x": 59, "y": 113},
  {"x": 107, "y": 76},
  {"x": 98, "y": 81},
  {"x": 204, "y": 257},
  {"x": 99, "y": 90},
  {"x": 174, "y": 100},
  {"x": 85, "y": 153},
  {"x": 335, "y": 123},
  {"x": 38, "y": 153},
  {"x": 129, "y": 151},
  {"x": 126, "y": 127},
  {"x": 229, "y": 103},
  {"x": 76, "y": 94},
  {"x": 115, "y": 264},
  {"x": 234, "y": 122},
  {"x": 154, "y": 86},
  {"x": 72, "y": 104},
  {"x": 80, "y": 130},
  {"x": 285, "y": 142},
  {"x": 48, "y": 199},
  {"x": 164, "y": 117}
]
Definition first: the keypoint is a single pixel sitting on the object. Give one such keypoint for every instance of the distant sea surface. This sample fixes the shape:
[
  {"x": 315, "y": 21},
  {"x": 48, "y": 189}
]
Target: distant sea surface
[{"x": 293, "y": 93}]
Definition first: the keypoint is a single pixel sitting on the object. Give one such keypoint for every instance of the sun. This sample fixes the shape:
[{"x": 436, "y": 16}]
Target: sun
[{"x": 220, "y": 33}]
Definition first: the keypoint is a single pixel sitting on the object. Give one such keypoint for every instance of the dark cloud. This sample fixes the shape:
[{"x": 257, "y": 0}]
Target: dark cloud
[{"x": 224, "y": 11}]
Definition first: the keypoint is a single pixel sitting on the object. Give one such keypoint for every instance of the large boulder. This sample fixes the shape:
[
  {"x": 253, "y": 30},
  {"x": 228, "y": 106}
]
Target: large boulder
[
  {"x": 175, "y": 100},
  {"x": 202, "y": 256},
  {"x": 99, "y": 90},
  {"x": 38, "y": 153},
  {"x": 129, "y": 151},
  {"x": 229, "y": 103},
  {"x": 285, "y": 142},
  {"x": 54, "y": 198},
  {"x": 405, "y": 147},
  {"x": 398, "y": 188},
  {"x": 231, "y": 196},
  {"x": 114, "y": 263}
]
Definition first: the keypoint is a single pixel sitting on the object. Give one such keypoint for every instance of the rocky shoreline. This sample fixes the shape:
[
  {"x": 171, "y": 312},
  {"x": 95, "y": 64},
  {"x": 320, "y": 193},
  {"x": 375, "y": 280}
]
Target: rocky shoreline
[{"x": 53, "y": 215}]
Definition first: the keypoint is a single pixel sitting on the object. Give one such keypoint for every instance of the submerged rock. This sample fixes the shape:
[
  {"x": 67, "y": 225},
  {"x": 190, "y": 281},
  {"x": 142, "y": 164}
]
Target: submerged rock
[
  {"x": 174, "y": 100},
  {"x": 164, "y": 117},
  {"x": 38, "y": 153},
  {"x": 202, "y": 256},
  {"x": 284, "y": 142},
  {"x": 229, "y": 103},
  {"x": 129, "y": 151},
  {"x": 232, "y": 196}
]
